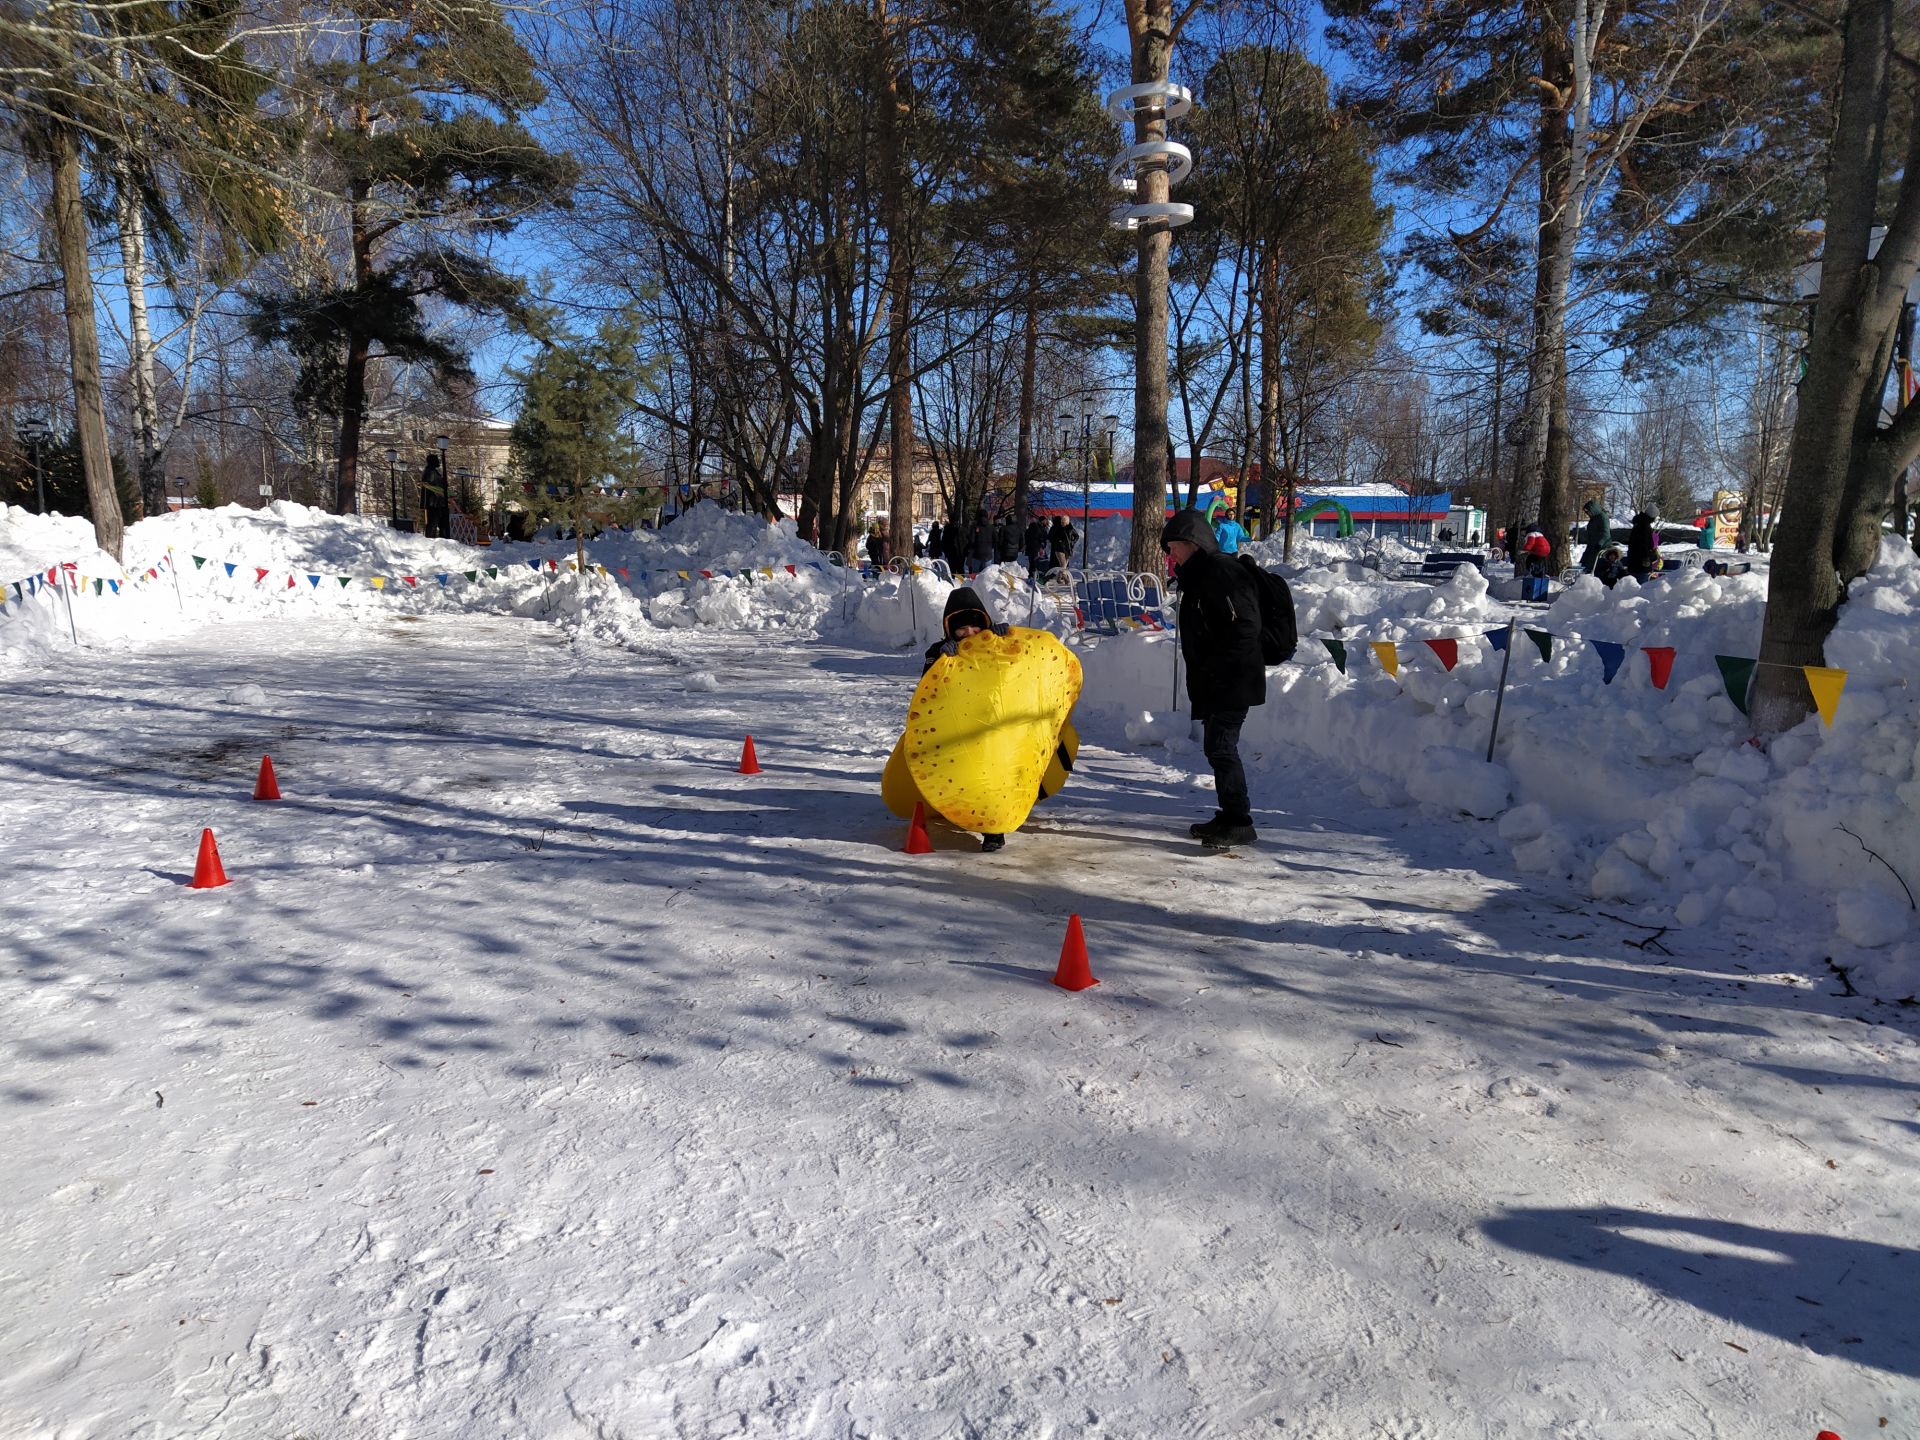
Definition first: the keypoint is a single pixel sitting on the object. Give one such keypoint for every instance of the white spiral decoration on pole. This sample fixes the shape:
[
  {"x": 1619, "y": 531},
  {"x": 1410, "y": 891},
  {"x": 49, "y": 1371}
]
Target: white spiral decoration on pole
[{"x": 1124, "y": 105}]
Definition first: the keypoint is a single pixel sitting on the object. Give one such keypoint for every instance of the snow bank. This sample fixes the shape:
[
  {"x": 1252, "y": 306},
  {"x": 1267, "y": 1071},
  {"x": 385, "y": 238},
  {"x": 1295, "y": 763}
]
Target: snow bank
[{"x": 1654, "y": 799}]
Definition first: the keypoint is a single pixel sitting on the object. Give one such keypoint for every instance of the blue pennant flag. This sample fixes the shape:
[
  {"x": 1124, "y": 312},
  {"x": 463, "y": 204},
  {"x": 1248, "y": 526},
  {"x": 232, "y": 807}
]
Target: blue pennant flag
[
  {"x": 314, "y": 581},
  {"x": 533, "y": 564},
  {"x": 116, "y": 586},
  {"x": 1610, "y": 657},
  {"x": 33, "y": 584},
  {"x": 442, "y": 579},
  {"x": 229, "y": 565},
  {"x": 1497, "y": 639}
]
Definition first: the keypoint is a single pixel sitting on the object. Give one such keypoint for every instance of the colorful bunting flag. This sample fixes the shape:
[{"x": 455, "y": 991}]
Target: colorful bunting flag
[
  {"x": 345, "y": 580},
  {"x": 533, "y": 564},
  {"x": 411, "y": 582},
  {"x": 231, "y": 567},
  {"x": 1659, "y": 664},
  {"x": 259, "y": 573},
  {"x": 1544, "y": 641},
  {"x": 443, "y": 580},
  {"x": 1736, "y": 672},
  {"x": 623, "y": 572},
  {"x": 683, "y": 574},
  {"x": 291, "y": 582},
  {"x": 98, "y": 586},
  {"x": 314, "y": 581},
  {"x": 473, "y": 575},
  {"x": 1611, "y": 657},
  {"x": 378, "y": 582},
  {"x": 492, "y": 571},
  {"x": 1826, "y": 683},
  {"x": 1388, "y": 654},
  {"x": 1447, "y": 650},
  {"x": 707, "y": 574},
  {"x": 116, "y": 586},
  {"x": 198, "y": 561},
  {"x": 1338, "y": 650},
  {"x": 792, "y": 571}
]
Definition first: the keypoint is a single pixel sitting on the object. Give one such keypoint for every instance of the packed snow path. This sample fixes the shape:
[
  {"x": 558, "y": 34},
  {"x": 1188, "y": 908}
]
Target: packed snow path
[{"x": 540, "y": 1076}]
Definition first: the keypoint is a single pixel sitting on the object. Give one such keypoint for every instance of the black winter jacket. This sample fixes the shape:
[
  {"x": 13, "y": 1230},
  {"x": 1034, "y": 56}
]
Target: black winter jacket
[{"x": 1219, "y": 622}]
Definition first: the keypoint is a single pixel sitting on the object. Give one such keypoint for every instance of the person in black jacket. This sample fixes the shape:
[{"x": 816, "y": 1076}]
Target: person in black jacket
[
  {"x": 1036, "y": 545},
  {"x": 1226, "y": 676},
  {"x": 980, "y": 546},
  {"x": 1643, "y": 547},
  {"x": 966, "y": 614},
  {"x": 936, "y": 543}
]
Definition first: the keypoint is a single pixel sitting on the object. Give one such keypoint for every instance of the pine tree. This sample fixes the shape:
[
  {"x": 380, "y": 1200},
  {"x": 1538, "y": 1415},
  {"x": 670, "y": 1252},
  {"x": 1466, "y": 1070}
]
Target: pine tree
[
  {"x": 571, "y": 447},
  {"x": 419, "y": 127}
]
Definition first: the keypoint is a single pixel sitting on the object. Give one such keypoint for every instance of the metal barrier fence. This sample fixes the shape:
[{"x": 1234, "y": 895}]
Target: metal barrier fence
[{"x": 1109, "y": 602}]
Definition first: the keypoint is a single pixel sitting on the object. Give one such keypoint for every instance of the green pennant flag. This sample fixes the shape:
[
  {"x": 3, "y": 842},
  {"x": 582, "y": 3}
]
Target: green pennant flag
[
  {"x": 1338, "y": 650},
  {"x": 473, "y": 574},
  {"x": 1737, "y": 673},
  {"x": 98, "y": 586},
  {"x": 345, "y": 580},
  {"x": 198, "y": 561},
  {"x": 1545, "y": 641}
]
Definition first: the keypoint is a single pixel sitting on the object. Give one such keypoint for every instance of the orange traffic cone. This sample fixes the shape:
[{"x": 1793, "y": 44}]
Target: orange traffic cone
[
  {"x": 1073, "y": 972},
  {"x": 207, "y": 874},
  {"x": 917, "y": 841},
  {"x": 749, "y": 762},
  {"x": 267, "y": 787}
]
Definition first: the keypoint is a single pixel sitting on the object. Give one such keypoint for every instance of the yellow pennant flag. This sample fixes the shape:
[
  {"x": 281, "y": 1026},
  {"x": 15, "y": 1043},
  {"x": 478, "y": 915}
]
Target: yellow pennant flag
[
  {"x": 1388, "y": 655},
  {"x": 767, "y": 570},
  {"x": 602, "y": 570},
  {"x": 682, "y": 574},
  {"x": 378, "y": 582},
  {"x": 1826, "y": 683}
]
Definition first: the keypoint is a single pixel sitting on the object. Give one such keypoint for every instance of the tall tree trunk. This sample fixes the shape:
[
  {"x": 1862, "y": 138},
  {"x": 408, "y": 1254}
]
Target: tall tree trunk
[
  {"x": 1270, "y": 389},
  {"x": 140, "y": 362},
  {"x": 1150, "y": 25},
  {"x": 1838, "y": 468},
  {"x": 899, "y": 284},
  {"x": 83, "y": 339},
  {"x": 1561, "y": 155},
  {"x": 1029, "y": 364}
]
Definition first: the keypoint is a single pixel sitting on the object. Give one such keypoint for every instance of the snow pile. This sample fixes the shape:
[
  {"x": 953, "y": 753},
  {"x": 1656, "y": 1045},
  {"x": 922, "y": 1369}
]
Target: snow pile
[{"x": 1653, "y": 798}]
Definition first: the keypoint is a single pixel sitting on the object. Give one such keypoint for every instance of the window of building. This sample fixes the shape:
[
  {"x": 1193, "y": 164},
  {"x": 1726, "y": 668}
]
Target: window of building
[{"x": 923, "y": 505}]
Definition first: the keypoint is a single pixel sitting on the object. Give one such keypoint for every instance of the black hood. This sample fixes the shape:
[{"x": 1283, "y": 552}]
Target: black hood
[
  {"x": 964, "y": 607},
  {"x": 1190, "y": 526}
]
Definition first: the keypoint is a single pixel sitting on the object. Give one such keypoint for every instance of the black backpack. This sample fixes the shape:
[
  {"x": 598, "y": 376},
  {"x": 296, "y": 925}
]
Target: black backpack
[{"x": 1279, "y": 634}]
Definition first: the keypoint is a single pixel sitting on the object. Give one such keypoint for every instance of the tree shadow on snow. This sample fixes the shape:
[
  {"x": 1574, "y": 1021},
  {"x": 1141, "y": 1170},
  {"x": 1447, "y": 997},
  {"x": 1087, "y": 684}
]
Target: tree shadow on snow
[{"x": 1852, "y": 1299}]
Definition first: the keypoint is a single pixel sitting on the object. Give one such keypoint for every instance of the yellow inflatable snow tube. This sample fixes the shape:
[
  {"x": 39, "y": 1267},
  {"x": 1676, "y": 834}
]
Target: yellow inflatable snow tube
[{"x": 987, "y": 729}]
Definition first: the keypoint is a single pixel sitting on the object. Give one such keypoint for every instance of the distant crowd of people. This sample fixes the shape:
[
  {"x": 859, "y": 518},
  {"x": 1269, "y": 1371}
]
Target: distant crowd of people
[{"x": 1043, "y": 545}]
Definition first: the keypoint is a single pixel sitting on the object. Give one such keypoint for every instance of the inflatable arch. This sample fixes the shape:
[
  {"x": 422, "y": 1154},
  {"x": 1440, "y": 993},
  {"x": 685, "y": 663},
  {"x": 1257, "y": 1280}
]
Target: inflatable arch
[{"x": 1320, "y": 507}]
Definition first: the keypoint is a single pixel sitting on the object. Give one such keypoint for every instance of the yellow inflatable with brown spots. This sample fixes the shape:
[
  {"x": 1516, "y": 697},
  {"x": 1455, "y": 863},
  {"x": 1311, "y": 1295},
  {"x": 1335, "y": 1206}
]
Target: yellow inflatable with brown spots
[{"x": 987, "y": 730}]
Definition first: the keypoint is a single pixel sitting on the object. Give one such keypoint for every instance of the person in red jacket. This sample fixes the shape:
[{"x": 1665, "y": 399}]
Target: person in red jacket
[{"x": 1538, "y": 550}]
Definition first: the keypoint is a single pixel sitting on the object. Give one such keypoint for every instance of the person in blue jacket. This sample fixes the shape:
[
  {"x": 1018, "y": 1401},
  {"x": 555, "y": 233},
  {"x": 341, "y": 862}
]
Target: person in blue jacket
[{"x": 1229, "y": 533}]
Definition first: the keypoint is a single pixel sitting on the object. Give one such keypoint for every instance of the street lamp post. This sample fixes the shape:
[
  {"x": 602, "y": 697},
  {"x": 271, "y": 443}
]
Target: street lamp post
[
  {"x": 1109, "y": 427},
  {"x": 33, "y": 434},
  {"x": 180, "y": 482},
  {"x": 437, "y": 512},
  {"x": 393, "y": 489}
]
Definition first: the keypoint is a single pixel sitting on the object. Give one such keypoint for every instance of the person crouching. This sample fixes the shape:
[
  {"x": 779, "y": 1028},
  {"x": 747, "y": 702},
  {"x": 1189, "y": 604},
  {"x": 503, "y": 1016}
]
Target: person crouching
[{"x": 965, "y": 615}]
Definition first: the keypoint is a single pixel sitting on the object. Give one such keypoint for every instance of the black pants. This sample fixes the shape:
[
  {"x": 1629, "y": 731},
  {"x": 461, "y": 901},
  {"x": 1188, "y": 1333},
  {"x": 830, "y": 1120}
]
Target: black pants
[{"x": 1220, "y": 740}]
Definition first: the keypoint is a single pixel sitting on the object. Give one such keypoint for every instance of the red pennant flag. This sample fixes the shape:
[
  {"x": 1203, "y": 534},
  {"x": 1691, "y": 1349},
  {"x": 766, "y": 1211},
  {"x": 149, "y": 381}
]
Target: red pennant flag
[
  {"x": 153, "y": 574},
  {"x": 1660, "y": 663},
  {"x": 409, "y": 579},
  {"x": 553, "y": 564},
  {"x": 259, "y": 575},
  {"x": 623, "y": 572},
  {"x": 792, "y": 571},
  {"x": 1447, "y": 650},
  {"x": 707, "y": 574},
  {"x": 290, "y": 582},
  {"x": 53, "y": 574}
]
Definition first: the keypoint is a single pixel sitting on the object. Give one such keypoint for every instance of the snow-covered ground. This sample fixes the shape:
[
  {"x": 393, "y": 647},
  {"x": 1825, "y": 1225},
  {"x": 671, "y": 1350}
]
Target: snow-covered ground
[{"x": 540, "y": 1075}]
